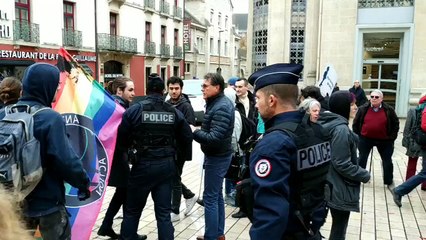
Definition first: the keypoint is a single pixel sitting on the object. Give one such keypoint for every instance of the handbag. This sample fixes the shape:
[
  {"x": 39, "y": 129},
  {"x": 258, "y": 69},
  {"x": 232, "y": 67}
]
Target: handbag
[{"x": 234, "y": 169}]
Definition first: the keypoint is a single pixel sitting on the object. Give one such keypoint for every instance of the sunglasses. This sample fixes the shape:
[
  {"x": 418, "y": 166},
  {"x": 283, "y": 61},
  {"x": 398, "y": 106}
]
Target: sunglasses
[{"x": 376, "y": 97}]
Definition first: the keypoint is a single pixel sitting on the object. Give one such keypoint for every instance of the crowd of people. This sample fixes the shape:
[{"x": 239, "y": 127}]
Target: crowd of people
[{"x": 306, "y": 161}]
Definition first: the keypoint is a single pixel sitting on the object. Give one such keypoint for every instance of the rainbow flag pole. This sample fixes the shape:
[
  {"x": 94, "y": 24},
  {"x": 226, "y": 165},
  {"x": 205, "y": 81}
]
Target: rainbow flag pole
[{"x": 92, "y": 118}]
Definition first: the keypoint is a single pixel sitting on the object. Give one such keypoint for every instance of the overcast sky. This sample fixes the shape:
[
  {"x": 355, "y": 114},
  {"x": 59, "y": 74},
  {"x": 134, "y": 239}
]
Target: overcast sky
[{"x": 240, "y": 6}]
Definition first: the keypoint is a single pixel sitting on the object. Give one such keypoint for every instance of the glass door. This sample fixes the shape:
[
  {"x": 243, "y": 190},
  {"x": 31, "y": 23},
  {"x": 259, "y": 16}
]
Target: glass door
[
  {"x": 382, "y": 75},
  {"x": 381, "y": 64}
]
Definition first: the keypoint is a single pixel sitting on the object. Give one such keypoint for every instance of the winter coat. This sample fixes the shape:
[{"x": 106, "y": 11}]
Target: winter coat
[
  {"x": 216, "y": 130},
  {"x": 413, "y": 149},
  {"x": 345, "y": 175},
  {"x": 359, "y": 93},
  {"x": 236, "y": 133},
  {"x": 120, "y": 169},
  {"x": 59, "y": 161},
  {"x": 184, "y": 105},
  {"x": 392, "y": 127},
  {"x": 252, "y": 114}
]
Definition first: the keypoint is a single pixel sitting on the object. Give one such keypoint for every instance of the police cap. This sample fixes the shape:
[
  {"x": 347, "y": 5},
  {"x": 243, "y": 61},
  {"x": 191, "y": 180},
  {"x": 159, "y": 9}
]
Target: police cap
[
  {"x": 155, "y": 83},
  {"x": 280, "y": 73}
]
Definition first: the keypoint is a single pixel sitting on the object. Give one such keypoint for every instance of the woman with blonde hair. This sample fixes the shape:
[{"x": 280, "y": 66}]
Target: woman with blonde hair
[
  {"x": 10, "y": 90},
  {"x": 11, "y": 226}
]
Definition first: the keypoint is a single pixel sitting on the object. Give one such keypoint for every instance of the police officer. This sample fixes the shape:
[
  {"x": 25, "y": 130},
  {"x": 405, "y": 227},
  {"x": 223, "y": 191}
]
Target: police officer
[
  {"x": 288, "y": 176},
  {"x": 155, "y": 129}
]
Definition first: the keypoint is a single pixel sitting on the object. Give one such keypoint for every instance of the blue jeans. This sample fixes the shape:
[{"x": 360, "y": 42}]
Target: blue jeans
[
  {"x": 385, "y": 148},
  {"x": 214, "y": 208},
  {"x": 146, "y": 177},
  {"x": 414, "y": 181}
]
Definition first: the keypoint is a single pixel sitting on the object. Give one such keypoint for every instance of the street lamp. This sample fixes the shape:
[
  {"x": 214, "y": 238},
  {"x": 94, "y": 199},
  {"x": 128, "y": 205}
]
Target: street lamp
[{"x": 219, "y": 70}]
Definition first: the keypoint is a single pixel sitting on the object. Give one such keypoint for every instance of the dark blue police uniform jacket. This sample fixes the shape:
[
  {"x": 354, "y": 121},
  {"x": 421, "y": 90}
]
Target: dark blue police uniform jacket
[
  {"x": 270, "y": 173},
  {"x": 132, "y": 119}
]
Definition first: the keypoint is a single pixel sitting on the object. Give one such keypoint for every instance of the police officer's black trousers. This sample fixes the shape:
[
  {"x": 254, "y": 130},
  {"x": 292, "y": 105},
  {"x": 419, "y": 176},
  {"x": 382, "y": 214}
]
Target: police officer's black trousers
[{"x": 155, "y": 177}]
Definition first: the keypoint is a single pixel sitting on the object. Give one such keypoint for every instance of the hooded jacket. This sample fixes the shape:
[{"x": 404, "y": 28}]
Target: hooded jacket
[
  {"x": 184, "y": 105},
  {"x": 59, "y": 161},
  {"x": 345, "y": 174}
]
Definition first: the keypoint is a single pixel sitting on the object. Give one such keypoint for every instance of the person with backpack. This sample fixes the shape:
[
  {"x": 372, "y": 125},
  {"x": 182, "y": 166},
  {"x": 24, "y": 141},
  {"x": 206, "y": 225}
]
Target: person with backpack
[
  {"x": 414, "y": 150},
  {"x": 410, "y": 184},
  {"x": 45, "y": 205},
  {"x": 282, "y": 173},
  {"x": 345, "y": 175}
]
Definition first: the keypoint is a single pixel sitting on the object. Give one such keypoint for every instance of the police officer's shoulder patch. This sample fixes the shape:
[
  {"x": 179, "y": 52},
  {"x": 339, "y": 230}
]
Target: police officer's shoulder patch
[{"x": 262, "y": 168}]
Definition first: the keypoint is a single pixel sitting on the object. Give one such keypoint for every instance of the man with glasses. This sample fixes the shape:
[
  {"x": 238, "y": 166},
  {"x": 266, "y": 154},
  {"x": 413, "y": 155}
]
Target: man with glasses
[
  {"x": 377, "y": 126},
  {"x": 215, "y": 139}
]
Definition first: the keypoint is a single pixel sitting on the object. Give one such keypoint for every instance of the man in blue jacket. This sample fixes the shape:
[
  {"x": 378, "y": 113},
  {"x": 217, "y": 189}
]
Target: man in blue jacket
[
  {"x": 45, "y": 205},
  {"x": 215, "y": 140}
]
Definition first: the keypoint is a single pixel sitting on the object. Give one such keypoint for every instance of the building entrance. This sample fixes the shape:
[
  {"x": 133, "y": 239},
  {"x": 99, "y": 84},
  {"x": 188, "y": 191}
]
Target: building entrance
[{"x": 381, "y": 65}]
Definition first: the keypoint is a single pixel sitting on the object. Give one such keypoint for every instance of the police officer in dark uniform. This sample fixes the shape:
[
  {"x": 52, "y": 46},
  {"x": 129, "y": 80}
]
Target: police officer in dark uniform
[
  {"x": 288, "y": 167},
  {"x": 155, "y": 129}
]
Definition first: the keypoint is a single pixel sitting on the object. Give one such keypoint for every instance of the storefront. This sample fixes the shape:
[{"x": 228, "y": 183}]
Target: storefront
[{"x": 15, "y": 59}]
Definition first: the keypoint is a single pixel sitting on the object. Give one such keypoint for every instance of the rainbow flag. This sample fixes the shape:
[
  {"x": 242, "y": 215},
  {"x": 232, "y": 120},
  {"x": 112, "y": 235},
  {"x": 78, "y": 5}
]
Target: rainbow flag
[{"x": 92, "y": 118}]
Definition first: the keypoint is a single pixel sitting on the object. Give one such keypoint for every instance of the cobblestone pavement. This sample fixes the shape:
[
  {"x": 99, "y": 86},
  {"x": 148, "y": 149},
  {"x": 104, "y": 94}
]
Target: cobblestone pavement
[{"x": 380, "y": 218}]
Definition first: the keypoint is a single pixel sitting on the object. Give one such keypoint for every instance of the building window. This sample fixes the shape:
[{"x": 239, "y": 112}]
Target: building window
[
  {"x": 112, "y": 23},
  {"x": 260, "y": 34},
  {"x": 187, "y": 67},
  {"x": 211, "y": 15},
  {"x": 69, "y": 16},
  {"x": 200, "y": 44},
  {"x": 218, "y": 46},
  {"x": 22, "y": 10},
  {"x": 384, "y": 3},
  {"x": 235, "y": 52},
  {"x": 297, "y": 34},
  {"x": 226, "y": 49},
  {"x": 226, "y": 22},
  {"x": 211, "y": 45},
  {"x": 147, "y": 31},
  {"x": 219, "y": 19},
  {"x": 163, "y": 34},
  {"x": 176, "y": 37}
]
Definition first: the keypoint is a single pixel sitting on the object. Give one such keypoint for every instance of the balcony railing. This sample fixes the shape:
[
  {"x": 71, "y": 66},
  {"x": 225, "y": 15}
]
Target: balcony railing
[
  {"x": 150, "y": 5},
  {"x": 117, "y": 43},
  {"x": 177, "y": 52},
  {"x": 150, "y": 48},
  {"x": 165, "y": 50},
  {"x": 71, "y": 38},
  {"x": 28, "y": 32},
  {"x": 164, "y": 8},
  {"x": 177, "y": 12},
  {"x": 384, "y": 3}
]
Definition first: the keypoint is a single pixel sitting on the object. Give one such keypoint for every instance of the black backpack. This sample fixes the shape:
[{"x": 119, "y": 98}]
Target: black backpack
[
  {"x": 417, "y": 133},
  {"x": 248, "y": 130}
]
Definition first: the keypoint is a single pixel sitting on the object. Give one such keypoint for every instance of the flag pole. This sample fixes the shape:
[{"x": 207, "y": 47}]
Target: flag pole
[{"x": 96, "y": 43}]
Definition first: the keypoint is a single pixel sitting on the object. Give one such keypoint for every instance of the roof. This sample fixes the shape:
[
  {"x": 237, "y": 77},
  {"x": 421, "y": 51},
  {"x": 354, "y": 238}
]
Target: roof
[{"x": 195, "y": 20}]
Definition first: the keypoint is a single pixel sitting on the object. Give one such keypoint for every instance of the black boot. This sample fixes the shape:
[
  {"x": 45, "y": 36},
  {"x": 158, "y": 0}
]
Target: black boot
[
  {"x": 107, "y": 231},
  {"x": 239, "y": 214}
]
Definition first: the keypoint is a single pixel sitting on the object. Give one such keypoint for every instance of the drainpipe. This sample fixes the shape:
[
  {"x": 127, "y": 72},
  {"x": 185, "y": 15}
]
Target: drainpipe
[{"x": 317, "y": 74}]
